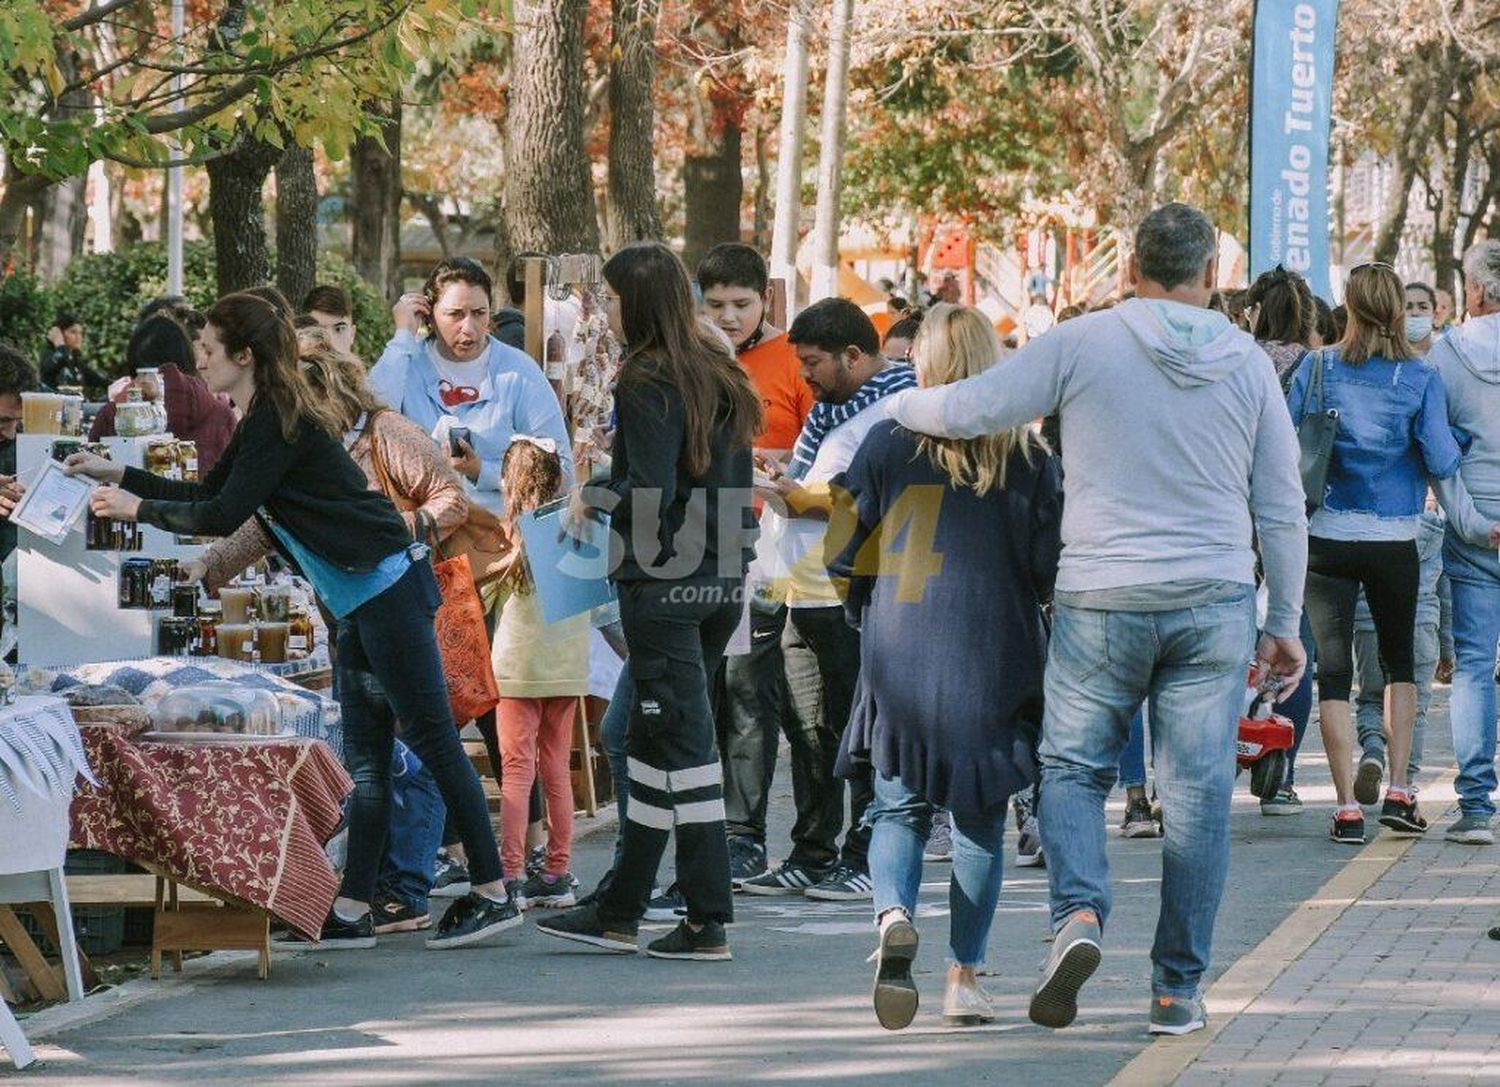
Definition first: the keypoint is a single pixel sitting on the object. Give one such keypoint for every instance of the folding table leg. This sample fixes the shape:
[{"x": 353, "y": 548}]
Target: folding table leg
[
  {"x": 12, "y": 1038},
  {"x": 67, "y": 944}
]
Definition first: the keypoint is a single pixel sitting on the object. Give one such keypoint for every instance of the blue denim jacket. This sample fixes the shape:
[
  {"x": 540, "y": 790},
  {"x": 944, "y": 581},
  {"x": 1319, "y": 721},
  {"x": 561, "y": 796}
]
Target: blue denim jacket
[{"x": 1393, "y": 432}]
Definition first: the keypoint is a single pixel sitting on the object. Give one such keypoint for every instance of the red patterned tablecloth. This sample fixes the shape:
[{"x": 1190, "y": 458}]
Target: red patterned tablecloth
[{"x": 243, "y": 820}]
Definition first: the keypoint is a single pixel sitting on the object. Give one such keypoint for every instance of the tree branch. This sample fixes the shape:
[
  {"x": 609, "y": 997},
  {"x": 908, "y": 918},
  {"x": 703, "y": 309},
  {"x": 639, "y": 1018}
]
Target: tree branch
[{"x": 90, "y": 16}]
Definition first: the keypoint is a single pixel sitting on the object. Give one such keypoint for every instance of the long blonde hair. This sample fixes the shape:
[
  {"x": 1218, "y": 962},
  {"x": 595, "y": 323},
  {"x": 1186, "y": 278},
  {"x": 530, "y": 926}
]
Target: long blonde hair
[
  {"x": 956, "y": 342},
  {"x": 336, "y": 375}
]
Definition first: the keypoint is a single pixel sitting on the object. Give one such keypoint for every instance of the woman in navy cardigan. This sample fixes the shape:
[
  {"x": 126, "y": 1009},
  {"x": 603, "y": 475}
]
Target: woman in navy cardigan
[{"x": 950, "y": 548}]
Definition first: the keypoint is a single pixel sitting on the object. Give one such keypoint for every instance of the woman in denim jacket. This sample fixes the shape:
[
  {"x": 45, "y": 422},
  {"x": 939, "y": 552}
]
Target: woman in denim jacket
[{"x": 1392, "y": 435}]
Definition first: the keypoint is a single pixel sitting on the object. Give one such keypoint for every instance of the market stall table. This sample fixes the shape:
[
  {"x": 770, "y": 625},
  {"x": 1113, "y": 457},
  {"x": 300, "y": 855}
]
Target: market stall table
[{"x": 242, "y": 820}]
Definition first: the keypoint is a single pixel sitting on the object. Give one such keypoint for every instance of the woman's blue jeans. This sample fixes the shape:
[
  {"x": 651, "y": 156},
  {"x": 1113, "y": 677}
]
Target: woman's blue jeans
[{"x": 900, "y": 820}]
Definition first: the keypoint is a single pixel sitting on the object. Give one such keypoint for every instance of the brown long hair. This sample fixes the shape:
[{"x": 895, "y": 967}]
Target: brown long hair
[
  {"x": 1376, "y": 302},
  {"x": 337, "y": 375},
  {"x": 665, "y": 343},
  {"x": 248, "y": 322},
  {"x": 532, "y": 477}
]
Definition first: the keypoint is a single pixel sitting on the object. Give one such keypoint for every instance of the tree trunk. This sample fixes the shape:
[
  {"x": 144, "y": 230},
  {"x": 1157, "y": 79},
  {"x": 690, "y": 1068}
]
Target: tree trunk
[
  {"x": 787, "y": 230},
  {"x": 825, "y": 269},
  {"x": 1424, "y": 113},
  {"x": 760, "y": 201},
  {"x": 712, "y": 190},
  {"x": 549, "y": 192},
  {"x": 20, "y": 191},
  {"x": 235, "y": 180},
  {"x": 63, "y": 214},
  {"x": 633, "y": 214},
  {"x": 296, "y": 224},
  {"x": 376, "y": 206}
]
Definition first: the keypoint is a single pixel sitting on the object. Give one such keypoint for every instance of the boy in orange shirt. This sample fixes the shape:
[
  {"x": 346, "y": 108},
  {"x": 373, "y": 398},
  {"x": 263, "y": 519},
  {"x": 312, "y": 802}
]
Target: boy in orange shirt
[{"x": 752, "y": 700}]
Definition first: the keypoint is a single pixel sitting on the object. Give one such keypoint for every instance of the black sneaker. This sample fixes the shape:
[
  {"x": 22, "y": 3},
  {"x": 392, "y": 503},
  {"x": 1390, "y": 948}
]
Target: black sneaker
[
  {"x": 788, "y": 878},
  {"x": 547, "y": 892},
  {"x": 1138, "y": 822},
  {"x": 707, "y": 944},
  {"x": 844, "y": 884},
  {"x": 747, "y": 859},
  {"x": 473, "y": 919},
  {"x": 582, "y": 925},
  {"x": 393, "y": 915},
  {"x": 1402, "y": 815},
  {"x": 450, "y": 879},
  {"x": 667, "y": 906},
  {"x": 337, "y": 935},
  {"x": 1348, "y": 828}
]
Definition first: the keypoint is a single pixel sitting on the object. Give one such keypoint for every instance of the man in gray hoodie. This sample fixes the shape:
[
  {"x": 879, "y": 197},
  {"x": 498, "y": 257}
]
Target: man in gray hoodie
[
  {"x": 1180, "y": 450},
  {"x": 1468, "y": 358}
]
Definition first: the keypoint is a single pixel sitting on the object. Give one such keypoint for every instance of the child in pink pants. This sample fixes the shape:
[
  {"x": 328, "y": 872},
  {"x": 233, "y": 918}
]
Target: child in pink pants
[{"x": 541, "y": 670}]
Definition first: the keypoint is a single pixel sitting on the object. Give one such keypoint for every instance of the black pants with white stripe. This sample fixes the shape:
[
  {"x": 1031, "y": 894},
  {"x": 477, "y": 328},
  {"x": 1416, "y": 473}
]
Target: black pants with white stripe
[{"x": 676, "y": 633}]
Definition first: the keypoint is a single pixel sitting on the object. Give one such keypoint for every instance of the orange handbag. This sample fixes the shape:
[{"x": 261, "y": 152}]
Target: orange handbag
[{"x": 462, "y": 636}]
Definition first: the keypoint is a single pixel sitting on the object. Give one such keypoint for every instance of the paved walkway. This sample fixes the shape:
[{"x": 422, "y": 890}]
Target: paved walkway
[{"x": 1322, "y": 988}]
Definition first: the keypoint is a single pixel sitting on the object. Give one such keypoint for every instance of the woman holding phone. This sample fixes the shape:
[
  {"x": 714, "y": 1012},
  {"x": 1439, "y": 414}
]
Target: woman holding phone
[
  {"x": 287, "y": 467},
  {"x": 446, "y": 373}
]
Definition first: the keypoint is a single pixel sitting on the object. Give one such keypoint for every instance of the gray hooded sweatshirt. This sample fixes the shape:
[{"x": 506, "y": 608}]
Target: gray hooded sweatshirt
[
  {"x": 1180, "y": 448},
  {"x": 1468, "y": 358}
]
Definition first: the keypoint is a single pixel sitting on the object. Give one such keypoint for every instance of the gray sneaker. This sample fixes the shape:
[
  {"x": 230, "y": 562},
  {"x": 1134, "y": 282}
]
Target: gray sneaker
[
  {"x": 1075, "y": 956},
  {"x": 1177, "y": 1015},
  {"x": 940, "y": 841},
  {"x": 1471, "y": 830},
  {"x": 1367, "y": 778}
]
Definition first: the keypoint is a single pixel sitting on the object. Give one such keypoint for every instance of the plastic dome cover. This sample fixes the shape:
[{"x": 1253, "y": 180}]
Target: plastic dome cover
[{"x": 219, "y": 708}]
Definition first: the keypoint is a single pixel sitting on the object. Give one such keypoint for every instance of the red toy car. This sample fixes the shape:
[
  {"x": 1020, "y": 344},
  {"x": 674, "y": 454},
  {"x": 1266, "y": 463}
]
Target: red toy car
[{"x": 1263, "y": 743}]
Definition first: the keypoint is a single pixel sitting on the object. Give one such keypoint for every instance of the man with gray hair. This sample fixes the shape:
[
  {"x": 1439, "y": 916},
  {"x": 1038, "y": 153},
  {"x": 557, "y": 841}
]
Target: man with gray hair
[
  {"x": 1180, "y": 450},
  {"x": 1468, "y": 358}
]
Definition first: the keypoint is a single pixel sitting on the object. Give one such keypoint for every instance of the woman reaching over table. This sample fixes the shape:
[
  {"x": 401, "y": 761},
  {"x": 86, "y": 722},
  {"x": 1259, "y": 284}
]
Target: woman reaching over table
[{"x": 287, "y": 467}]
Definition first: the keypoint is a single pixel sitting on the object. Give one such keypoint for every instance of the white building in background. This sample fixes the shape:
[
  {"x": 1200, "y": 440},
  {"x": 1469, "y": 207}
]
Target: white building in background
[{"x": 1368, "y": 190}]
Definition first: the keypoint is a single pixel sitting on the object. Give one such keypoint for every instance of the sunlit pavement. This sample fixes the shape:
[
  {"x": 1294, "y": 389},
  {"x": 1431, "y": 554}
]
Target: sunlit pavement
[{"x": 1403, "y": 982}]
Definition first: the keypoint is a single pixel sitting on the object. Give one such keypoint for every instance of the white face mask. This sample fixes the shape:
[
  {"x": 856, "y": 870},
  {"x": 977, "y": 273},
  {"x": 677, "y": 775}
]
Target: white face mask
[{"x": 1418, "y": 327}]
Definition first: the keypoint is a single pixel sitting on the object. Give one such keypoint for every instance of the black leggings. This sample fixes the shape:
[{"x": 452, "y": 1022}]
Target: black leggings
[{"x": 1388, "y": 573}]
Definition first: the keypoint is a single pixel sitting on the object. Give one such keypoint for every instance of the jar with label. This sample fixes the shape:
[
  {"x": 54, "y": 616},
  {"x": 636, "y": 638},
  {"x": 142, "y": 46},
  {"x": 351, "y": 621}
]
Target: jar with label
[
  {"x": 175, "y": 636},
  {"x": 187, "y": 460},
  {"x": 301, "y": 635},
  {"x": 271, "y": 639},
  {"x": 209, "y": 618},
  {"x": 237, "y": 641},
  {"x": 134, "y": 418},
  {"x": 135, "y": 583},
  {"x": 185, "y": 601},
  {"x": 72, "y": 410},
  {"x": 273, "y": 602},
  {"x": 163, "y": 575},
  {"x": 236, "y": 602},
  {"x": 161, "y": 458}
]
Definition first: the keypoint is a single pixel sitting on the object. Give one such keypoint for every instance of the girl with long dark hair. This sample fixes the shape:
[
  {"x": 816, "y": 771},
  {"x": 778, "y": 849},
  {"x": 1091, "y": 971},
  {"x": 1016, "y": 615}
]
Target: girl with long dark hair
[
  {"x": 678, "y": 495},
  {"x": 287, "y": 467}
]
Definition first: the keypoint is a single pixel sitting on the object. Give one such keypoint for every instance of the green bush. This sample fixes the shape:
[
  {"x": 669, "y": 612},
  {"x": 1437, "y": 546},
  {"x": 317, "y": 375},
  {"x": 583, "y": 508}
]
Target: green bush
[
  {"x": 372, "y": 317},
  {"x": 26, "y": 312},
  {"x": 107, "y": 290}
]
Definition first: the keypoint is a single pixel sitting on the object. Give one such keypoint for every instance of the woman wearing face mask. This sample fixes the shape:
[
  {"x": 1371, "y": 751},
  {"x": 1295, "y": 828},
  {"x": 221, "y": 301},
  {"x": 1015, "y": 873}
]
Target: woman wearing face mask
[
  {"x": 1421, "y": 306},
  {"x": 287, "y": 467}
]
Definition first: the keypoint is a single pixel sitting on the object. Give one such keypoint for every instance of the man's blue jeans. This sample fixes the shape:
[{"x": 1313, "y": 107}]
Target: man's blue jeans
[
  {"x": 900, "y": 820},
  {"x": 1133, "y": 758},
  {"x": 1189, "y": 666},
  {"x": 1474, "y": 576},
  {"x": 417, "y": 815}
]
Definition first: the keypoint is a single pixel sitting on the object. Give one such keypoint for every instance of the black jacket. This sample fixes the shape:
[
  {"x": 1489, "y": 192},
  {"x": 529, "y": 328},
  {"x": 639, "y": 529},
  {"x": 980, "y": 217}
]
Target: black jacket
[
  {"x": 60, "y": 365},
  {"x": 311, "y": 488},
  {"x": 669, "y": 523}
]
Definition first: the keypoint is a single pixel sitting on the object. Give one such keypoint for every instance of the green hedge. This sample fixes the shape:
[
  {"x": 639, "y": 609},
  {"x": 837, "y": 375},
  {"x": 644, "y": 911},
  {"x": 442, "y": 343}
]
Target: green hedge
[
  {"x": 107, "y": 290},
  {"x": 26, "y": 311}
]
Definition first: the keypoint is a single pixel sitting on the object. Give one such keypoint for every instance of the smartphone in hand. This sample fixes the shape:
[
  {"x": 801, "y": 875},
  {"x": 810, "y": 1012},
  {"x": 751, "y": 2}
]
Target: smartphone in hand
[{"x": 458, "y": 437}]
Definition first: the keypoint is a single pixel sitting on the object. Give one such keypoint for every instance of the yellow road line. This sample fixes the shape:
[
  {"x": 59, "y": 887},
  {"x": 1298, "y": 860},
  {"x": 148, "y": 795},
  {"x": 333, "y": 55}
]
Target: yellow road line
[{"x": 1166, "y": 1058}]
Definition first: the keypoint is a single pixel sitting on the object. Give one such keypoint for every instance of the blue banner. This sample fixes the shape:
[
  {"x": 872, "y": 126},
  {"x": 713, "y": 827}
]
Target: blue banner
[{"x": 1291, "y": 101}]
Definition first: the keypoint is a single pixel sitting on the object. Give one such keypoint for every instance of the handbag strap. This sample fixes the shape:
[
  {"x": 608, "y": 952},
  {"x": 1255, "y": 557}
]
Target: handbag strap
[{"x": 1317, "y": 380}]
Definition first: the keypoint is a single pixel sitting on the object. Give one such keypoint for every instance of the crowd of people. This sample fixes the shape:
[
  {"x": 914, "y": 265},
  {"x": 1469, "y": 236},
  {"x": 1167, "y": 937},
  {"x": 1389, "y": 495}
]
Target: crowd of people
[{"x": 970, "y": 581}]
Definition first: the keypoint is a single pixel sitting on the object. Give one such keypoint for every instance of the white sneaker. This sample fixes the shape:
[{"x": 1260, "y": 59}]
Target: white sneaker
[
  {"x": 967, "y": 1005},
  {"x": 895, "y": 996}
]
